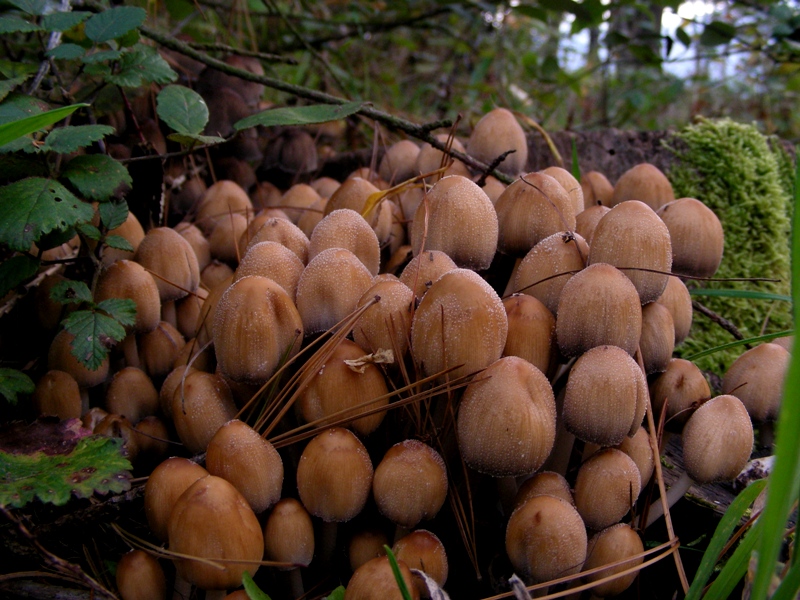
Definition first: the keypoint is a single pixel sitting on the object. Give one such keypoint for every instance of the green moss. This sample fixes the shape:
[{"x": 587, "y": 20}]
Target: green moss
[{"x": 747, "y": 182}]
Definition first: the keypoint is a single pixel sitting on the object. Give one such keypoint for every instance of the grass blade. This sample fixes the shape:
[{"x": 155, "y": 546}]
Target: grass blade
[
  {"x": 401, "y": 583},
  {"x": 16, "y": 129},
  {"x": 783, "y": 481},
  {"x": 790, "y": 585},
  {"x": 736, "y": 566},
  {"x": 749, "y": 294},
  {"x": 721, "y": 536},
  {"x": 752, "y": 340}
]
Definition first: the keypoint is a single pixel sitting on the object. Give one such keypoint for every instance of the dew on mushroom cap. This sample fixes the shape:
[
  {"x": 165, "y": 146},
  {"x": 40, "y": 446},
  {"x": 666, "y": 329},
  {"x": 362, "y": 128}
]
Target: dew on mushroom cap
[
  {"x": 644, "y": 182},
  {"x": 606, "y": 488},
  {"x": 497, "y": 132},
  {"x": 345, "y": 228}
]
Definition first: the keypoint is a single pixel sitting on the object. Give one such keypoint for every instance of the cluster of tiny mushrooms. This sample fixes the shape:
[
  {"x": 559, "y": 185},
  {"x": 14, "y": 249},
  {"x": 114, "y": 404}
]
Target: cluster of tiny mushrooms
[{"x": 332, "y": 314}]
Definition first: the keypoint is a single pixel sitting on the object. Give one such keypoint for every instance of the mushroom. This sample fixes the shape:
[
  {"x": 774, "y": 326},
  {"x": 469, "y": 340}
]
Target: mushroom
[
  {"x": 616, "y": 543},
  {"x": 430, "y": 159},
  {"x": 375, "y": 580},
  {"x": 677, "y": 299},
  {"x": 696, "y": 234},
  {"x": 164, "y": 486},
  {"x": 597, "y": 189},
  {"x": 544, "y": 483},
  {"x": 658, "y": 337},
  {"x": 531, "y": 331},
  {"x": 644, "y": 182},
  {"x": 386, "y": 324},
  {"x": 424, "y": 269},
  {"x": 289, "y": 537},
  {"x": 274, "y": 261},
  {"x": 57, "y": 393},
  {"x": 132, "y": 394},
  {"x": 606, "y": 488},
  {"x": 140, "y": 577},
  {"x": 422, "y": 550},
  {"x": 365, "y": 545},
  {"x": 570, "y": 185},
  {"x": 345, "y": 228},
  {"x": 398, "y": 161},
  {"x": 497, "y": 132}
]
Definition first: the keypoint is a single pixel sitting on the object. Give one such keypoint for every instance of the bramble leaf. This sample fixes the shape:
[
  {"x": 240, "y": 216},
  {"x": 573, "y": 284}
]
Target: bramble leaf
[
  {"x": 35, "y": 206},
  {"x": 70, "y": 292},
  {"x": 62, "y": 21},
  {"x": 13, "y": 382},
  {"x": 113, "y": 213},
  {"x": 32, "y": 7},
  {"x": 114, "y": 22},
  {"x": 302, "y": 115},
  {"x": 15, "y": 270},
  {"x": 191, "y": 139},
  {"x": 121, "y": 309},
  {"x": 118, "y": 243},
  {"x": 23, "y": 124},
  {"x": 14, "y": 24},
  {"x": 717, "y": 33},
  {"x": 141, "y": 64},
  {"x": 95, "y": 333},
  {"x": 66, "y": 52},
  {"x": 184, "y": 110},
  {"x": 7, "y": 85},
  {"x": 98, "y": 177},
  {"x": 90, "y": 231},
  {"x": 69, "y": 139},
  {"x": 95, "y": 464}
]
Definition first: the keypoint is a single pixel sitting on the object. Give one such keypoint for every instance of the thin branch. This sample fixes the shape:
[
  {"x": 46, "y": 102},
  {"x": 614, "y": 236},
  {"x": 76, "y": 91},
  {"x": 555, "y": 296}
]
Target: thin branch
[
  {"x": 265, "y": 56},
  {"x": 718, "y": 319}
]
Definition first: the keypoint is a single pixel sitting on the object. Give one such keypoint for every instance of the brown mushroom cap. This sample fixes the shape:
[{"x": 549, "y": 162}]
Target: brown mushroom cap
[
  {"x": 132, "y": 394},
  {"x": 213, "y": 520},
  {"x": 289, "y": 533},
  {"x": 132, "y": 231},
  {"x": 200, "y": 407},
  {"x": 297, "y": 199},
  {"x": 398, "y": 162},
  {"x": 598, "y": 306},
  {"x": 717, "y": 440},
  {"x": 677, "y": 299},
  {"x": 544, "y": 483},
  {"x": 128, "y": 279},
  {"x": 374, "y": 580},
  {"x": 530, "y": 209},
  {"x": 658, "y": 337},
  {"x": 424, "y": 269},
  {"x": 334, "y": 475},
  {"x": 353, "y": 194},
  {"x": 220, "y": 200},
  {"x": 570, "y": 184},
  {"x": 224, "y": 238},
  {"x": 57, "y": 393},
  {"x": 615, "y": 543},
  {"x": 365, "y": 545},
  {"x": 586, "y": 221},
  {"x": 682, "y": 386},
  {"x": 606, "y": 488},
  {"x": 632, "y": 237},
  {"x": 422, "y": 550},
  {"x": 387, "y": 323},
  {"x": 507, "y": 419},
  {"x": 158, "y": 349},
  {"x": 531, "y": 331},
  {"x": 457, "y": 218},
  {"x": 345, "y": 228},
  {"x": 460, "y": 321},
  {"x": 256, "y": 326},
  {"x": 60, "y": 358},
  {"x": 274, "y": 261},
  {"x": 696, "y": 234},
  {"x": 140, "y": 577},
  {"x": 172, "y": 260},
  {"x": 164, "y": 486},
  {"x": 410, "y": 483},
  {"x": 497, "y": 132},
  {"x": 238, "y": 454},
  {"x": 430, "y": 159},
  {"x": 597, "y": 189},
  {"x": 546, "y": 539},
  {"x": 278, "y": 230},
  {"x": 646, "y": 183},
  {"x": 325, "y": 186},
  {"x": 756, "y": 378}
]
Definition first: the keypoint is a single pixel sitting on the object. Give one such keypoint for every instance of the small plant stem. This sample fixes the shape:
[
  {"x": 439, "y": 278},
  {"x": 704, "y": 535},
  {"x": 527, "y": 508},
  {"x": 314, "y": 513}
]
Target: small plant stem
[{"x": 718, "y": 319}]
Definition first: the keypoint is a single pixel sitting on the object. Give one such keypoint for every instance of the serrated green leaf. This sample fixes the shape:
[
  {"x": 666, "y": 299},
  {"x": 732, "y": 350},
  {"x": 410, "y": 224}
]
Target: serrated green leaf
[
  {"x": 24, "y": 124},
  {"x": 184, "y": 110},
  {"x": 96, "y": 464},
  {"x": 90, "y": 231},
  {"x": 55, "y": 238},
  {"x": 188, "y": 139},
  {"x": 66, "y": 52},
  {"x": 35, "y": 206},
  {"x": 19, "y": 106},
  {"x": 336, "y": 594},
  {"x": 14, "y": 24},
  {"x": 101, "y": 70},
  {"x": 32, "y": 7},
  {"x": 16, "y": 68},
  {"x": 118, "y": 243},
  {"x": 129, "y": 39},
  {"x": 253, "y": 591},
  {"x": 114, "y": 22},
  {"x": 101, "y": 57},
  {"x": 717, "y": 33},
  {"x": 70, "y": 292},
  {"x": 7, "y": 85},
  {"x": 302, "y": 115},
  {"x": 683, "y": 37},
  {"x": 15, "y": 270},
  {"x": 62, "y": 21},
  {"x": 121, "y": 309},
  {"x": 69, "y": 139},
  {"x": 95, "y": 333},
  {"x": 113, "y": 213},
  {"x": 98, "y": 177},
  {"x": 142, "y": 64},
  {"x": 13, "y": 382}
]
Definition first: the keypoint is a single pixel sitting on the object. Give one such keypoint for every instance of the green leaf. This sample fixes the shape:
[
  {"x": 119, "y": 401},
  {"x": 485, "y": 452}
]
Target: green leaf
[
  {"x": 56, "y": 238},
  {"x": 336, "y": 594},
  {"x": 188, "y": 139},
  {"x": 23, "y": 125},
  {"x": 8, "y": 85},
  {"x": 142, "y": 64},
  {"x": 785, "y": 477},
  {"x": 736, "y": 566},
  {"x": 32, "y": 7},
  {"x": 113, "y": 213},
  {"x": 62, "y": 21},
  {"x": 302, "y": 115},
  {"x": 121, "y": 309},
  {"x": 722, "y": 534},
  {"x": 96, "y": 464},
  {"x": 114, "y": 22},
  {"x": 533, "y": 12},
  {"x": 15, "y": 270},
  {"x": 752, "y": 340},
  {"x": 35, "y": 206},
  {"x": 69, "y": 139},
  {"x": 13, "y": 382},
  {"x": 184, "y": 110},
  {"x": 717, "y": 33},
  {"x": 95, "y": 333},
  {"x": 70, "y": 292},
  {"x": 683, "y": 37},
  {"x": 14, "y": 24},
  {"x": 98, "y": 177},
  {"x": 66, "y": 52},
  {"x": 752, "y": 294},
  {"x": 104, "y": 56},
  {"x": 253, "y": 591},
  {"x": 118, "y": 243},
  {"x": 398, "y": 577},
  {"x": 90, "y": 231}
]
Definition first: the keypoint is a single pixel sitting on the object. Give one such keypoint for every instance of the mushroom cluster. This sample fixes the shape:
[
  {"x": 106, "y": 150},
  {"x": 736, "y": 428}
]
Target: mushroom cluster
[{"x": 351, "y": 361}]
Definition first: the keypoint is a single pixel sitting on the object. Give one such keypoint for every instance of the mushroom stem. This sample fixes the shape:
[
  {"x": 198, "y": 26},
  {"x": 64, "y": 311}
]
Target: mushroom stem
[
  {"x": 182, "y": 589},
  {"x": 216, "y": 594},
  {"x": 130, "y": 350},
  {"x": 169, "y": 314},
  {"x": 506, "y": 492},
  {"x": 766, "y": 434},
  {"x": 327, "y": 541},
  {"x": 84, "y": 391},
  {"x": 675, "y": 493},
  {"x": 400, "y": 532},
  {"x": 296, "y": 583}
]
